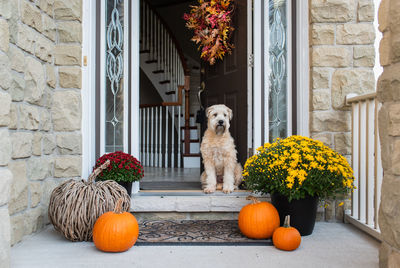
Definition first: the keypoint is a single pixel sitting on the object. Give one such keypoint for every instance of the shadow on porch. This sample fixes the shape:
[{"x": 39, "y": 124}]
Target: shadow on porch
[{"x": 331, "y": 245}]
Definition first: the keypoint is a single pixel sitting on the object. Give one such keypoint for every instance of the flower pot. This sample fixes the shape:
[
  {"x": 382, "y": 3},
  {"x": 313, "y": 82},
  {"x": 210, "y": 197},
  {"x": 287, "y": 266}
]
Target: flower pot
[
  {"x": 127, "y": 186},
  {"x": 302, "y": 212}
]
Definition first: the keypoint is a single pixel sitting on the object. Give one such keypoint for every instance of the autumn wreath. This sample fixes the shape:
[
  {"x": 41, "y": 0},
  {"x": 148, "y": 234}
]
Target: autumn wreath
[{"x": 211, "y": 22}]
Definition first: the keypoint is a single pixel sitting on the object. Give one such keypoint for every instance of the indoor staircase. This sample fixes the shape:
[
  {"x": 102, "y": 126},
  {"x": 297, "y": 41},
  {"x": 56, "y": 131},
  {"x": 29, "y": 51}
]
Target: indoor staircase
[{"x": 169, "y": 134}]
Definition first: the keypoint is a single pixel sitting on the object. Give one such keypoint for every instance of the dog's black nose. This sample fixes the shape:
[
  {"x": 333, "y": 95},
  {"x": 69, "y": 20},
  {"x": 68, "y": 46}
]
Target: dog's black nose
[{"x": 220, "y": 122}]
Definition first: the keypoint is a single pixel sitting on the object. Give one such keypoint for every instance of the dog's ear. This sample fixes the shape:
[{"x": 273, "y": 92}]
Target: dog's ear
[
  {"x": 208, "y": 111},
  {"x": 230, "y": 114}
]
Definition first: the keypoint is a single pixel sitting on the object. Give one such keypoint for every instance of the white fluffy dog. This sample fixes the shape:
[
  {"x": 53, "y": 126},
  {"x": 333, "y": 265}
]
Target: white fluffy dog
[{"x": 221, "y": 169}]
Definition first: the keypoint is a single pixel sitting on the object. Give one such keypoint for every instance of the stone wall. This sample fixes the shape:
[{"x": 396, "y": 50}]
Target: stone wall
[
  {"x": 40, "y": 108},
  {"x": 342, "y": 58},
  {"x": 389, "y": 124}
]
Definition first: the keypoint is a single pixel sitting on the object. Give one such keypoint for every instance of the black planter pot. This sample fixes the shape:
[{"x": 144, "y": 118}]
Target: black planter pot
[
  {"x": 302, "y": 212},
  {"x": 127, "y": 186}
]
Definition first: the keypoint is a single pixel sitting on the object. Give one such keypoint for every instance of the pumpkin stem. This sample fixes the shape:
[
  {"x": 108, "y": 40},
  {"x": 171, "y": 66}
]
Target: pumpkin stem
[
  {"x": 98, "y": 170},
  {"x": 287, "y": 222},
  {"x": 118, "y": 206},
  {"x": 253, "y": 198}
]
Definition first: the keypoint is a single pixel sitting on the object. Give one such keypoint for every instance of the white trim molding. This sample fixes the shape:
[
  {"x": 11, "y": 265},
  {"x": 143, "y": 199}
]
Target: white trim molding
[
  {"x": 88, "y": 126},
  {"x": 135, "y": 83},
  {"x": 257, "y": 73},
  {"x": 303, "y": 73}
]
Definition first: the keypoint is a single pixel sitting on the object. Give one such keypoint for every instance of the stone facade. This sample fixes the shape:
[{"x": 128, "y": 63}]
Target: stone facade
[
  {"x": 342, "y": 58},
  {"x": 40, "y": 110},
  {"x": 389, "y": 127}
]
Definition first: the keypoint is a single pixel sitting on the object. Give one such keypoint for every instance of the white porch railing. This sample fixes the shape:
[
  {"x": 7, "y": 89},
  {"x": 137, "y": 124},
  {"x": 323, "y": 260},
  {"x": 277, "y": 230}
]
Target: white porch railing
[
  {"x": 366, "y": 163},
  {"x": 160, "y": 135}
]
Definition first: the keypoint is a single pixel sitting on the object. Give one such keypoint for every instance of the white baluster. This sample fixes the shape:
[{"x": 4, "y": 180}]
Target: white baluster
[
  {"x": 148, "y": 136},
  {"x": 179, "y": 136},
  {"x": 370, "y": 161},
  {"x": 158, "y": 45},
  {"x": 156, "y": 133},
  {"x": 152, "y": 137},
  {"x": 141, "y": 135},
  {"x": 362, "y": 170},
  {"x": 148, "y": 27},
  {"x": 160, "y": 132},
  {"x": 355, "y": 159},
  {"x": 173, "y": 137},
  {"x": 166, "y": 136}
]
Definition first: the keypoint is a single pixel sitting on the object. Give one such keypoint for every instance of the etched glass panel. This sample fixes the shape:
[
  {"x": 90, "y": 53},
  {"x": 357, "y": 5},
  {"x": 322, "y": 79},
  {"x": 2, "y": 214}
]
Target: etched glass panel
[
  {"x": 278, "y": 103},
  {"x": 114, "y": 81}
]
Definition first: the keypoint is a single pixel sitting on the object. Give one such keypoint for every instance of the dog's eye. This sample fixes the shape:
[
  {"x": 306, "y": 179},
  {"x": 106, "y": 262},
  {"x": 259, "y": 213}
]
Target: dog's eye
[
  {"x": 215, "y": 115},
  {"x": 224, "y": 115}
]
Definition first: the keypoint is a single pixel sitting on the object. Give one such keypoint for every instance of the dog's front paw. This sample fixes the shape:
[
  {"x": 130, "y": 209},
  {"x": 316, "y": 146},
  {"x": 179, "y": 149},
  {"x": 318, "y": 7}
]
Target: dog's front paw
[
  {"x": 209, "y": 189},
  {"x": 227, "y": 189}
]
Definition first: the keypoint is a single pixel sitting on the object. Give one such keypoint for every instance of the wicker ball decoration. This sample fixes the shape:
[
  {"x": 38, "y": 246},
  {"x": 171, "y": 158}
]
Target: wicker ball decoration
[{"x": 75, "y": 205}]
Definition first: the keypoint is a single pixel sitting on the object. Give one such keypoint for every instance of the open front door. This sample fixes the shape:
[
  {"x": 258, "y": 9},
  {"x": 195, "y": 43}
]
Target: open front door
[{"x": 226, "y": 81}]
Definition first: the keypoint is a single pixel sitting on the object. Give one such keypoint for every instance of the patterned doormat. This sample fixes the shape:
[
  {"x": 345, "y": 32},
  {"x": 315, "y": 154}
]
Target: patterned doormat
[{"x": 194, "y": 232}]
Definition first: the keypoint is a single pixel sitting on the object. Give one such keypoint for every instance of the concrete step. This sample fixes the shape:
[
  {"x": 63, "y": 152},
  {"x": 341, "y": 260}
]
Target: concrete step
[{"x": 189, "y": 202}]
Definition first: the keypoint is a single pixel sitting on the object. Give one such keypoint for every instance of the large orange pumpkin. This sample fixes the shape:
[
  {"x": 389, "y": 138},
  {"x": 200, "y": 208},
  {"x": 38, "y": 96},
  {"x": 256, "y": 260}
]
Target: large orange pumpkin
[
  {"x": 258, "y": 220},
  {"x": 286, "y": 237},
  {"x": 115, "y": 231}
]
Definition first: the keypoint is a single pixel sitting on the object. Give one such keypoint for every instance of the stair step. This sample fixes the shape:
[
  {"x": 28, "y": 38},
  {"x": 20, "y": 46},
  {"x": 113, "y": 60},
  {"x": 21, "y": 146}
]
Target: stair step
[
  {"x": 190, "y": 115},
  {"x": 192, "y": 140},
  {"x": 189, "y": 201},
  {"x": 191, "y": 155},
  {"x": 170, "y": 92},
  {"x": 145, "y": 51},
  {"x": 158, "y": 72},
  {"x": 150, "y": 61},
  {"x": 164, "y": 82}
]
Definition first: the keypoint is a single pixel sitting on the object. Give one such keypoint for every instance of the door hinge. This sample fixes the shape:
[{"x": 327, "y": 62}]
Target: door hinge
[
  {"x": 251, "y": 60},
  {"x": 84, "y": 60}
]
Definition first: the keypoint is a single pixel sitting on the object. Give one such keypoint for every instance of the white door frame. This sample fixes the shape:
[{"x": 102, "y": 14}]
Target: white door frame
[
  {"x": 255, "y": 74},
  {"x": 88, "y": 91},
  {"x": 135, "y": 84},
  {"x": 302, "y": 55}
]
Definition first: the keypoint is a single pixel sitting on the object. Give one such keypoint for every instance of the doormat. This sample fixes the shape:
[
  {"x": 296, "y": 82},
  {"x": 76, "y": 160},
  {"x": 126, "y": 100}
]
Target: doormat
[{"x": 194, "y": 232}]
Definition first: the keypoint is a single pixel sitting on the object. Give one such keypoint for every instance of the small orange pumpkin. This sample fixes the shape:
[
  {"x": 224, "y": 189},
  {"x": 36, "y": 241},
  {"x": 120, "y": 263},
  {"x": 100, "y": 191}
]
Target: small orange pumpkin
[
  {"x": 286, "y": 237},
  {"x": 258, "y": 220},
  {"x": 115, "y": 231}
]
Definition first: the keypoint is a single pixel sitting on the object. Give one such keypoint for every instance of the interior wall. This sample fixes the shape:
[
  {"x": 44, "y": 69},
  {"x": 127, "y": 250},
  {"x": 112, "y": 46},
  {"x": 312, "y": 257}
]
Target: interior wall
[
  {"x": 148, "y": 93},
  {"x": 173, "y": 16}
]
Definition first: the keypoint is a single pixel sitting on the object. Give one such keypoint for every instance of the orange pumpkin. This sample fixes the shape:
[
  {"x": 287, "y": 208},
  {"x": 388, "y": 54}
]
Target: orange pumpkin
[
  {"x": 258, "y": 220},
  {"x": 286, "y": 237},
  {"x": 115, "y": 231}
]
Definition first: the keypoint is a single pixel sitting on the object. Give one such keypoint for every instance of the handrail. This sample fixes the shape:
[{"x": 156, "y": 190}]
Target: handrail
[
  {"x": 186, "y": 70},
  {"x": 351, "y": 99}
]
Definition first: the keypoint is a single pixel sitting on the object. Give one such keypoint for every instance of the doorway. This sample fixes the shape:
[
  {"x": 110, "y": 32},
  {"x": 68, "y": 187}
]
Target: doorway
[{"x": 170, "y": 62}]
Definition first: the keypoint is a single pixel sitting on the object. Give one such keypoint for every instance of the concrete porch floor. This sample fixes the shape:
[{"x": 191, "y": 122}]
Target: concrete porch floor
[{"x": 331, "y": 245}]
